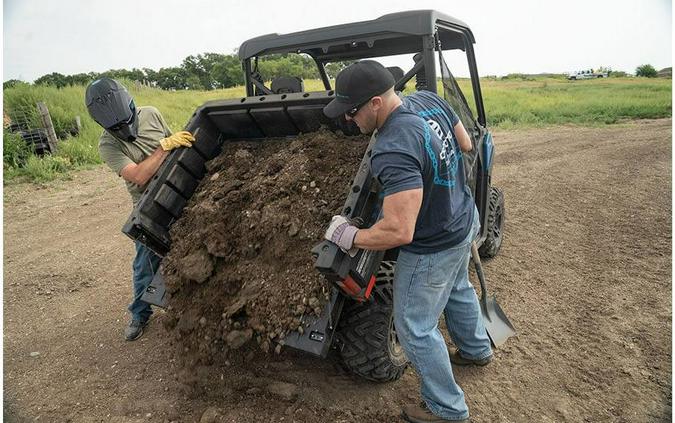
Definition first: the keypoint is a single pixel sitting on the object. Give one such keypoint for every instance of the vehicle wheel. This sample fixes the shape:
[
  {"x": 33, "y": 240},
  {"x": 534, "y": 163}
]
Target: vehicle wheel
[
  {"x": 495, "y": 224},
  {"x": 368, "y": 344}
]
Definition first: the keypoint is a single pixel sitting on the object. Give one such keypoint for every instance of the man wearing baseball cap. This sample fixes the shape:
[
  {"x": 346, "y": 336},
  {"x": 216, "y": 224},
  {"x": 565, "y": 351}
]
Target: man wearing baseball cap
[{"x": 429, "y": 212}]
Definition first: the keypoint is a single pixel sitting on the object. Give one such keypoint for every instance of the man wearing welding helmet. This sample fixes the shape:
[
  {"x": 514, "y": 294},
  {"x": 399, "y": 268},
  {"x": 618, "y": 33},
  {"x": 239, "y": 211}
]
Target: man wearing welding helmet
[{"x": 134, "y": 143}]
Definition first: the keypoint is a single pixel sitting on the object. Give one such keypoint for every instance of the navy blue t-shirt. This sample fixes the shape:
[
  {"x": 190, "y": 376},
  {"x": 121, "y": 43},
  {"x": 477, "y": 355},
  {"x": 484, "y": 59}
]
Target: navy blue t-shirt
[{"x": 417, "y": 148}]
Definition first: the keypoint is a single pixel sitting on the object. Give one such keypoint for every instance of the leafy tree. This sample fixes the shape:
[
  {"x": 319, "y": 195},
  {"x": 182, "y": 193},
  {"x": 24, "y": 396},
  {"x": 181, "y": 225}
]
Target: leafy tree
[
  {"x": 206, "y": 71},
  {"x": 172, "y": 78},
  {"x": 276, "y": 65},
  {"x": 333, "y": 68},
  {"x": 603, "y": 69},
  {"x": 618, "y": 74},
  {"x": 82, "y": 78},
  {"x": 213, "y": 70},
  {"x": 134, "y": 74},
  {"x": 227, "y": 72},
  {"x": 192, "y": 82},
  {"x": 12, "y": 83},
  {"x": 646, "y": 70},
  {"x": 197, "y": 68},
  {"x": 55, "y": 79},
  {"x": 150, "y": 75}
]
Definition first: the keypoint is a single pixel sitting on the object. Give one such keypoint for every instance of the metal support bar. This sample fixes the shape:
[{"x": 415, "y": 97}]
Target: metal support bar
[
  {"x": 429, "y": 60},
  {"x": 475, "y": 82},
  {"x": 261, "y": 86},
  {"x": 247, "y": 75},
  {"x": 408, "y": 76},
  {"x": 322, "y": 73}
]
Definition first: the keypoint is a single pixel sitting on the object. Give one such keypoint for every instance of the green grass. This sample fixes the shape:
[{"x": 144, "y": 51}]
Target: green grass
[
  {"x": 82, "y": 151},
  {"x": 509, "y": 103},
  {"x": 513, "y": 104}
]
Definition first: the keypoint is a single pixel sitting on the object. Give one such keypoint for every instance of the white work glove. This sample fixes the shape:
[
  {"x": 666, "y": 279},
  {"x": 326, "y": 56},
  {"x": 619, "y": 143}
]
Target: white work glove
[{"x": 342, "y": 233}]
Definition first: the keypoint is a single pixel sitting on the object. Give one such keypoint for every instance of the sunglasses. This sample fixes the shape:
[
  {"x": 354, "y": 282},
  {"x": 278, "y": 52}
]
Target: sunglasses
[{"x": 352, "y": 112}]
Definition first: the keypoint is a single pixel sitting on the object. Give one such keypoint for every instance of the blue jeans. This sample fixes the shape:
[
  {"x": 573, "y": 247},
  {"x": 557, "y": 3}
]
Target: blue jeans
[
  {"x": 146, "y": 264},
  {"x": 426, "y": 285}
]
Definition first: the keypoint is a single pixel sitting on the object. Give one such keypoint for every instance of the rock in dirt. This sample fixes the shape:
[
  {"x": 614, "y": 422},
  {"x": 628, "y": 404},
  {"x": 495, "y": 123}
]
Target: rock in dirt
[
  {"x": 236, "y": 308},
  {"x": 283, "y": 390},
  {"x": 211, "y": 415},
  {"x": 243, "y": 155},
  {"x": 187, "y": 323},
  {"x": 236, "y": 338},
  {"x": 293, "y": 229},
  {"x": 197, "y": 266}
]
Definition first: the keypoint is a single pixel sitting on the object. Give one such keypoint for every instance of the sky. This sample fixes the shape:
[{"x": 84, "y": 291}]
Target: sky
[{"x": 519, "y": 36}]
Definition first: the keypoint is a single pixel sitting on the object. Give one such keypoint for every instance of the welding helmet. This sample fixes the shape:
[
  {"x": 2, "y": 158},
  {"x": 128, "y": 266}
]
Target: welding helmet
[{"x": 111, "y": 106}]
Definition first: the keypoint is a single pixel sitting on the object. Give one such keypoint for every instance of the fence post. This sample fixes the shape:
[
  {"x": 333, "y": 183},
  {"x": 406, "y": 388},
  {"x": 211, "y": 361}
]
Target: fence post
[
  {"x": 47, "y": 123},
  {"x": 78, "y": 124}
]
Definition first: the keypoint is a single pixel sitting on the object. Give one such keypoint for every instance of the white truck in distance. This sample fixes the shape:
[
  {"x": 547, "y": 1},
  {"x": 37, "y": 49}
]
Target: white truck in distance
[{"x": 587, "y": 74}]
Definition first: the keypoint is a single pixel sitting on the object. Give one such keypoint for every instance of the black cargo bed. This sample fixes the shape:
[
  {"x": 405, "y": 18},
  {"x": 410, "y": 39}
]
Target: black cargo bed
[{"x": 213, "y": 124}]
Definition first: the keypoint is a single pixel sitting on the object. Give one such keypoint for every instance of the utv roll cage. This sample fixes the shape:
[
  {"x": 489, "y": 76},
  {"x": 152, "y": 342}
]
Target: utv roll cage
[{"x": 421, "y": 32}]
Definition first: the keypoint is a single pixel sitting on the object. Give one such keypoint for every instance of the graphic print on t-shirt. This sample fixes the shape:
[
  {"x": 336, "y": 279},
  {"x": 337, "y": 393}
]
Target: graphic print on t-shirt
[{"x": 444, "y": 162}]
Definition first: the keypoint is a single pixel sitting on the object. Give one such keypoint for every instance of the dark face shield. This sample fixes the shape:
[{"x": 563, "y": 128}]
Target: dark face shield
[{"x": 126, "y": 130}]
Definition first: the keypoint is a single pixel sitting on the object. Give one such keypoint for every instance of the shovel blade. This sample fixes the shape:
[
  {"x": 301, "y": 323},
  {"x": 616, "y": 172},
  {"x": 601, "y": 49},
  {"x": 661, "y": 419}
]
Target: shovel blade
[{"x": 497, "y": 325}]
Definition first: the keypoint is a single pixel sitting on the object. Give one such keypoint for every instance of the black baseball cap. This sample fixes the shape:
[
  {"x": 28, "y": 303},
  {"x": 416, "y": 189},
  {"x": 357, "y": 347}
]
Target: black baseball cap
[{"x": 356, "y": 84}]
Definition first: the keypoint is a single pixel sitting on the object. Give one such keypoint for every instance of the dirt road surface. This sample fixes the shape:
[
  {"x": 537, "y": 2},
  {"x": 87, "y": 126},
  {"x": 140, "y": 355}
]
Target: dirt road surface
[{"x": 584, "y": 274}]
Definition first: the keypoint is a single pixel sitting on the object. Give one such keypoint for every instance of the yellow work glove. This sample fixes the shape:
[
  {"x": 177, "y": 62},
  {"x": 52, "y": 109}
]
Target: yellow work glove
[{"x": 179, "y": 139}]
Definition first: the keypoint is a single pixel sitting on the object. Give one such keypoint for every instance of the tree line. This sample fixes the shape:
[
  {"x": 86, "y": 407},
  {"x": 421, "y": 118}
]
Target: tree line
[{"x": 208, "y": 71}]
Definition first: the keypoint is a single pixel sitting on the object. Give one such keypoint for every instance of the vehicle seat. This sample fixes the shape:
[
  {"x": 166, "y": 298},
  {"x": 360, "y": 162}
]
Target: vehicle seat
[{"x": 287, "y": 84}]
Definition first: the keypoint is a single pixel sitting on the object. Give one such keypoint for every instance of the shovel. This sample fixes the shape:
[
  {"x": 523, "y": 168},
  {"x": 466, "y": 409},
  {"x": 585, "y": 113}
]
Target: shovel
[{"x": 498, "y": 327}]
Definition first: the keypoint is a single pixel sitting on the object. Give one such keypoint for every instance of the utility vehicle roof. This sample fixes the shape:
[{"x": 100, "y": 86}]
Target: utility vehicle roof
[{"x": 395, "y": 33}]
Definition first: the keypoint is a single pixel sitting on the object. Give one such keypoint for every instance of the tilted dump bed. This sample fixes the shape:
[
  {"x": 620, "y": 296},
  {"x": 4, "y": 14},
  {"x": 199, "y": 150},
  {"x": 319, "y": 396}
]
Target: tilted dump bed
[
  {"x": 264, "y": 117},
  {"x": 213, "y": 124}
]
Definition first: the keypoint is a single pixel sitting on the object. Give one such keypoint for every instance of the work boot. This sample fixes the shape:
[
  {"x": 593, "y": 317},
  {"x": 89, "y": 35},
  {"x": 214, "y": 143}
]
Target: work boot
[
  {"x": 456, "y": 358},
  {"x": 419, "y": 413},
  {"x": 134, "y": 330}
]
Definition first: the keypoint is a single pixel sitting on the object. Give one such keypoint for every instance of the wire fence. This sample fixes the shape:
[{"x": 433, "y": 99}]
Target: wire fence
[{"x": 27, "y": 123}]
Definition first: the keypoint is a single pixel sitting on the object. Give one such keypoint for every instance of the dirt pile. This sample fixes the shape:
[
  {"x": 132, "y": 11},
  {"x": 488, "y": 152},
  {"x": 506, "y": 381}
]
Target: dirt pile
[{"x": 240, "y": 267}]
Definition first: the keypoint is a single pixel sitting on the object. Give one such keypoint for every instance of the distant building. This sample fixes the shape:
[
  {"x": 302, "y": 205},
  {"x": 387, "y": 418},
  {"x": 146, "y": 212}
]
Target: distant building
[{"x": 665, "y": 73}]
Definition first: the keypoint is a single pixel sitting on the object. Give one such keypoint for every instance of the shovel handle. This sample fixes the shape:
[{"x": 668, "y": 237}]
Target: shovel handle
[{"x": 479, "y": 271}]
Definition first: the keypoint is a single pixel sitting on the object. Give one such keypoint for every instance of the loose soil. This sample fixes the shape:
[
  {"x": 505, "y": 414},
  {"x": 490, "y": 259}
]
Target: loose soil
[
  {"x": 584, "y": 274},
  {"x": 239, "y": 267}
]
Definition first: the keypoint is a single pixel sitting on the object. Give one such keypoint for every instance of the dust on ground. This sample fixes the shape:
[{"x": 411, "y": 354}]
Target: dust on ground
[{"x": 584, "y": 273}]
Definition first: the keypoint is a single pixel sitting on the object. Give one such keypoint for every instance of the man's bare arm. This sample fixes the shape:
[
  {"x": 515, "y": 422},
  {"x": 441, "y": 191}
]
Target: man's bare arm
[
  {"x": 463, "y": 137},
  {"x": 141, "y": 173},
  {"x": 397, "y": 225}
]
